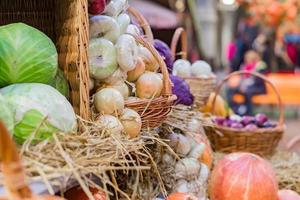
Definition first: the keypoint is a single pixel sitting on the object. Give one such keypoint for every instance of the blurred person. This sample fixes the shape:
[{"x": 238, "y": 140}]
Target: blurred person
[{"x": 248, "y": 86}]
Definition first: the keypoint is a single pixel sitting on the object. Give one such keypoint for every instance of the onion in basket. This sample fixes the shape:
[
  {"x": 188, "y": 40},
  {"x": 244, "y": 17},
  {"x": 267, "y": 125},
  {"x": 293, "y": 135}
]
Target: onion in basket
[
  {"x": 182, "y": 68},
  {"x": 127, "y": 52},
  {"x": 117, "y": 78},
  {"x": 122, "y": 88},
  {"x": 104, "y": 26},
  {"x": 150, "y": 62},
  {"x": 201, "y": 68},
  {"x": 111, "y": 124},
  {"x": 123, "y": 21},
  {"x": 139, "y": 69},
  {"x": 149, "y": 85},
  {"x": 115, "y": 7},
  {"x": 131, "y": 122},
  {"x": 109, "y": 101},
  {"x": 133, "y": 29},
  {"x": 102, "y": 58}
]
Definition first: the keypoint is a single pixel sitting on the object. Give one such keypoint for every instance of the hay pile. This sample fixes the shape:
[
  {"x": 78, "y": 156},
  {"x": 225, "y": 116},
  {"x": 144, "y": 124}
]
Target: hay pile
[
  {"x": 286, "y": 166},
  {"x": 94, "y": 159}
]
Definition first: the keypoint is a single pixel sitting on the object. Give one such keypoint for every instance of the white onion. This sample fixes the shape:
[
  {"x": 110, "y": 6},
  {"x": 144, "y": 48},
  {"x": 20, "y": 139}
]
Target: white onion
[
  {"x": 122, "y": 88},
  {"x": 139, "y": 69},
  {"x": 115, "y": 7},
  {"x": 151, "y": 63},
  {"x": 127, "y": 52},
  {"x": 109, "y": 101},
  {"x": 132, "y": 122},
  {"x": 111, "y": 124},
  {"x": 91, "y": 84},
  {"x": 133, "y": 29},
  {"x": 149, "y": 85},
  {"x": 182, "y": 68},
  {"x": 118, "y": 77},
  {"x": 123, "y": 20},
  {"x": 201, "y": 68}
]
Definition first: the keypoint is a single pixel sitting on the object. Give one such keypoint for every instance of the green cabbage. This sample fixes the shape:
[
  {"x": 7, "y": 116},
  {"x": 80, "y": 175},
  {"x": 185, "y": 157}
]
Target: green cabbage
[
  {"x": 6, "y": 114},
  {"x": 38, "y": 109},
  {"x": 26, "y": 55},
  {"x": 60, "y": 83}
]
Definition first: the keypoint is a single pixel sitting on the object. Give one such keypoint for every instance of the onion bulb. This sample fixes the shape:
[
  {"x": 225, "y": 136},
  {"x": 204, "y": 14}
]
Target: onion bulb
[
  {"x": 123, "y": 21},
  {"x": 182, "y": 68},
  {"x": 115, "y": 7},
  {"x": 117, "y": 78},
  {"x": 187, "y": 168},
  {"x": 127, "y": 52},
  {"x": 122, "y": 88},
  {"x": 131, "y": 122},
  {"x": 133, "y": 30},
  {"x": 149, "y": 85},
  {"x": 91, "y": 84},
  {"x": 139, "y": 69},
  {"x": 111, "y": 124},
  {"x": 180, "y": 144},
  {"x": 201, "y": 68},
  {"x": 109, "y": 101},
  {"x": 151, "y": 63}
]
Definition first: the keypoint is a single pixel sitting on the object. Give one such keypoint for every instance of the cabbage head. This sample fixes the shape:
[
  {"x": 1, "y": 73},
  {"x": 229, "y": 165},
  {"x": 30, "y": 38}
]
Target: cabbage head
[
  {"x": 26, "y": 55},
  {"x": 38, "y": 110},
  {"x": 61, "y": 84},
  {"x": 6, "y": 115}
]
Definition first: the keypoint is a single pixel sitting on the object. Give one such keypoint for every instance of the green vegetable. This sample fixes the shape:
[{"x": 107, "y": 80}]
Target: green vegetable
[
  {"x": 6, "y": 114},
  {"x": 38, "y": 109},
  {"x": 26, "y": 55},
  {"x": 60, "y": 83}
]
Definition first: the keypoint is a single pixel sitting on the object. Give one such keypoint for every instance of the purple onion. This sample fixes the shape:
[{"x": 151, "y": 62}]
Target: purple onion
[
  {"x": 247, "y": 120},
  {"x": 228, "y": 123},
  {"x": 219, "y": 120},
  {"x": 165, "y": 52},
  {"x": 237, "y": 125},
  {"x": 260, "y": 119},
  {"x": 251, "y": 127}
]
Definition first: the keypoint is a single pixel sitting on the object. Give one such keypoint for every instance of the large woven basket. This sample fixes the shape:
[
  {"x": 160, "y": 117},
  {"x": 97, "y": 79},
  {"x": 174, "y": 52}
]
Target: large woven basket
[
  {"x": 66, "y": 23},
  {"x": 201, "y": 87},
  {"x": 154, "y": 111},
  {"x": 263, "y": 141},
  {"x": 12, "y": 170}
]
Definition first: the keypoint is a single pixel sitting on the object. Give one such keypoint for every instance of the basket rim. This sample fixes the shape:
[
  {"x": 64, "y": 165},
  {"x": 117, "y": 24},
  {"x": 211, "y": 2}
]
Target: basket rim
[
  {"x": 170, "y": 97},
  {"x": 243, "y": 131}
]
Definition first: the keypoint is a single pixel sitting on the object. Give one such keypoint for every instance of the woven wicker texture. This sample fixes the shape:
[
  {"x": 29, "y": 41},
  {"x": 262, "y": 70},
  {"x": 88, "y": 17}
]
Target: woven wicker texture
[
  {"x": 66, "y": 23},
  {"x": 154, "y": 111},
  {"x": 263, "y": 141},
  {"x": 201, "y": 87}
]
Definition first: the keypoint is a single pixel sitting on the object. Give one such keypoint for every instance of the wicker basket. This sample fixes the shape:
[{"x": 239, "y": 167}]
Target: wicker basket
[
  {"x": 201, "y": 87},
  {"x": 12, "y": 169},
  {"x": 263, "y": 141},
  {"x": 154, "y": 111},
  {"x": 66, "y": 23}
]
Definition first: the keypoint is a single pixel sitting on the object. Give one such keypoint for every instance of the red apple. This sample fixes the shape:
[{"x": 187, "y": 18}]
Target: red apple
[{"x": 97, "y": 6}]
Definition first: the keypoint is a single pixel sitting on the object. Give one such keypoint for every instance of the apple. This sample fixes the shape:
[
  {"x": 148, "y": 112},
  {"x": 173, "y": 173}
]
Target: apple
[
  {"x": 104, "y": 26},
  {"x": 201, "y": 68},
  {"x": 182, "y": 68},
  {"x": 123, "y": 21},
  {"x": 102, "y": 58}
]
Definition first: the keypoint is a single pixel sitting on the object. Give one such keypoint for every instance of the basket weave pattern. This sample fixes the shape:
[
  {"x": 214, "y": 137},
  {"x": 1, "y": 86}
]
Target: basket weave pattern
[{"x": 66, "y": 23}]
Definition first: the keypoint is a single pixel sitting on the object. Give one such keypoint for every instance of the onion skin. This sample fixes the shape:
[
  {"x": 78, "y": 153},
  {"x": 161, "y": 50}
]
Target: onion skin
[
  {"x": 109, "y": 101},
  {"x": 243, "y": 176},
  {"x": 139, "y": 69},
  {"x": 132, "y": 122},
  {"x": 149, "y": 85},
  {"x": 288, "y": 195}
]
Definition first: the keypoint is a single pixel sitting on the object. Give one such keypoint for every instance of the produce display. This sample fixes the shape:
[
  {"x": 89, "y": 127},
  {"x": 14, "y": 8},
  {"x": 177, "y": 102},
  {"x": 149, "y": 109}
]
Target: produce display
[
  {"x": 249, "y": 123},
  {"x": 183, "y": 68}
]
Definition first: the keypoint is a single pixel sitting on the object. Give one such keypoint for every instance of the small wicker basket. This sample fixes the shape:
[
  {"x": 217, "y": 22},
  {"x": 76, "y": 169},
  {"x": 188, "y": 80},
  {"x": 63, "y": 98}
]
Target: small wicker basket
[
  {"x": 263, "y": 141},
  {"x": 66, "y": 23},
  {"x": 201, "y": 87},
  {"x": 13, "y": 172},
  {"x": 154, "y": 111}
]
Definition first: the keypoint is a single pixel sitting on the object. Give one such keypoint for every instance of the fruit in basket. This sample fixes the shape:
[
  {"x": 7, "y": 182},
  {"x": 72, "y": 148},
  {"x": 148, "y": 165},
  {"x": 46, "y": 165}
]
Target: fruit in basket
[
  {"x": 165, "y": 52},
  {"x": 181, "y": 196},
  {"x": 288, "y": 195},
  {"x": 221, "y": 107},
  {"x": 38, "y": 108},
  {"x": 102, "y": 58},
  {"x": 109, "y": 101},
  {"x": 149, "y": 85},
  {"x": 127, "y": 52},
  {"x": 182, "y": 68},
  {"x": 110, "y": 124},
  {"x": 123, "y": 21},
  {"x": 132, "y": 122},
  {"x": 133, "y": 29},
  {"x": 96, "y": 7},
  {"x": 236, "y": 125},
  {"x": 182, "y": 90},
  {"x": 6, "y": 115},
  {"x": 251, "y": 127},
  {"x": 102, "y": 26},
  {"x": 243, "y": 176},
  {"x": 115, "y": 7},
  {"x": 200, "y": 68},
  {"x": 26, "y": 55},
  {"x": 139, "y": 69},
  {"x": 151, "y": 63}
]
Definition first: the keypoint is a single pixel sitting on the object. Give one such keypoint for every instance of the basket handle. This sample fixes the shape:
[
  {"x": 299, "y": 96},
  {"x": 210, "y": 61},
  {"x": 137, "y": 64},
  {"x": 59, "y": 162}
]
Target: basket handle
[
  {"x": 180, "y": 33},
  {"x": 280, "y": 104},
  {"x": 167, "y": 89},
  {"x": 14, "y": 176},
  {"x": 142, "y": 22}
]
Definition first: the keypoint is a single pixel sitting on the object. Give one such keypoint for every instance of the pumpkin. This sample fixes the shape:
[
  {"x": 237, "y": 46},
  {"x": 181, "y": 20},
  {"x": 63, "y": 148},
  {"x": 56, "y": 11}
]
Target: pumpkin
[
  {"x": 77, "y": 193},
  {"x": 243, "y": 176},
  {"x": 288, "y": 195},
  {"x": 207, "y": 156},
  {"x": 181, "y": 196},
  {"x": 221, "y": 107}
]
